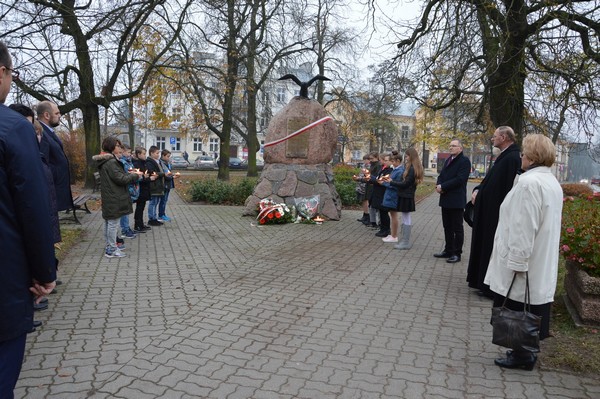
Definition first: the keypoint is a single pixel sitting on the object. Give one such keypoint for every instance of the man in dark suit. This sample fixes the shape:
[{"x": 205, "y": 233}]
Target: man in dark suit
[
  {"x": 452, "y": 187},
  {"x": 28, "y": 267},
  {"x": 487, "y": 198},
  {"x": 49, "y": 116}
]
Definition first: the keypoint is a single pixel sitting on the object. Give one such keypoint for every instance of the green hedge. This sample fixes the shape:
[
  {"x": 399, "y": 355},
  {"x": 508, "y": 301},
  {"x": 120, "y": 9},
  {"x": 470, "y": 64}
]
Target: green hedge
[
  {"x": 222, "y": 192},
  {"x": 235, "y": 193}
]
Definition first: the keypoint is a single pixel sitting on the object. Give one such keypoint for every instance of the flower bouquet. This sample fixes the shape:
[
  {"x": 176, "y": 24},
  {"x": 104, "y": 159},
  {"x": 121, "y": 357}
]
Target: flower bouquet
[
  {"x": 580, "y": 234},
  {"x": 307, "y": 206},
  {"x": 270, "y": 212}
]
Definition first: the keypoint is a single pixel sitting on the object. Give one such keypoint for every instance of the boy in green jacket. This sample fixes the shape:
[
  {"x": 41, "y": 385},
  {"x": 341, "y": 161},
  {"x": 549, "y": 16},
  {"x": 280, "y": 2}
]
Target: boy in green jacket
[{"x": 113, "y": 191}]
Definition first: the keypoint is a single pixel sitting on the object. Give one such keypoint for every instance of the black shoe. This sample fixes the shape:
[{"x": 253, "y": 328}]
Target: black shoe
[
  {"x": 373, "y": 225},
  {"x": 37, "y": 323},
  {"x": 154, "y": 222},
  {"x": 120, "y": 241},
  {"x": 485, "y": 294},
  {"x": 453, "y": 259},
  {"x": 443, "y": 254},
  {"x": 139, "y": 230},
  {"x": 58, "y": 282},
  {"x": 517, "y": 362},
  {"x": 382, "y": 233},
  {"x": 366, "y": 222},
  {"x": 40, "y": 306}
]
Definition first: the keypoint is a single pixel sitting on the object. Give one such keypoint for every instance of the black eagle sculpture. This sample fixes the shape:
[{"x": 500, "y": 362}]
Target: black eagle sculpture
[{"x": 303, "y": 85}]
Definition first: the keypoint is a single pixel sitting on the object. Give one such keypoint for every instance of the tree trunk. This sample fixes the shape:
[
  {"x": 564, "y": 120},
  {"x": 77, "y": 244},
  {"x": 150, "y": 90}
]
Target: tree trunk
[
  {"x": 507, "y": 81},
  {"x": 91, "y": 126}
]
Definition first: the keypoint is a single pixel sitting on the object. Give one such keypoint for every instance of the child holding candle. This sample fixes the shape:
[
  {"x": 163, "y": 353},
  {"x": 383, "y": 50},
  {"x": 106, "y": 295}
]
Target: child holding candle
[
  {"x": 139, "y": 163},
  {"x": 411, "y": 177},
  {"x": 133, "y": 188},
  {"x": 390, "y": 197},
  {"x": 113, "y": 191},
  {"x": 157, "y": 184},
  {"x": 165, "y": 162}
]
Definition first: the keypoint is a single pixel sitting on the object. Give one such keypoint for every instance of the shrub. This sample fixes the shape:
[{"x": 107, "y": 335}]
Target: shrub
[
  {"x": 222, "y": 192},
  {"x": 347, "y": 192},
  {"x": 576, "y": 189},
  {"x": 580, "y": 234},
  {"x": 74, "y": 147},
  {"x": 344, "y": 173}
]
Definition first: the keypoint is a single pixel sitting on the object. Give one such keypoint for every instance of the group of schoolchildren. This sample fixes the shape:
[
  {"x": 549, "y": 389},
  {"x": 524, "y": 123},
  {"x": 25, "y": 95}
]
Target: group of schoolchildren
[
  {"x": 127, "y": 179},
  {"x": 386, "y": 187}
]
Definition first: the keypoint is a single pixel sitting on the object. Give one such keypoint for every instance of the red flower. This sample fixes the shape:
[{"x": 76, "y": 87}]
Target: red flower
[
  {"x": 277, "y": 215},
  {"x": 262, "y": 221},
  {"x": 270, "y": 216}
]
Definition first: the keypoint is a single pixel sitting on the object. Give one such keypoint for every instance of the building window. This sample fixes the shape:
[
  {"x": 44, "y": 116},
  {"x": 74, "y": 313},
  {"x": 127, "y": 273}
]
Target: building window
[
  {"x": 214, "y": 144},
  {"x": 161, "y": 142},
  {"x": 405, "y": 131},
  {"x": 177, "y": 146},
  {"x": 176, "y": 114},
  {"x": 197, "y": 145},
  {"x": 281, "y": 94}
]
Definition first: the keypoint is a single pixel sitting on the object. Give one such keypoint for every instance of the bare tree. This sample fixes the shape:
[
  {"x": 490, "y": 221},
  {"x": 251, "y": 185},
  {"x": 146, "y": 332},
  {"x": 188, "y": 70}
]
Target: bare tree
[
  {"x": 503, "y": 52},
  {"x": 59, "y": 44}
]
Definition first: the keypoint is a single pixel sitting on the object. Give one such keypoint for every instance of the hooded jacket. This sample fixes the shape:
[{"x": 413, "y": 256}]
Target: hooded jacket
[{"x": 113, "y": 186}]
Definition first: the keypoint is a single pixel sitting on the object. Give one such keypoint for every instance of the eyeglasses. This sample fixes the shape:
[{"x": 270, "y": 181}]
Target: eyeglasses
[{"x": 13, "y": 72}]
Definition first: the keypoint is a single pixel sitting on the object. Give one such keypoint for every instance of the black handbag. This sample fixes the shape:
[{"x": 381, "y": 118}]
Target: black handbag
[{"x": 517, "y": 330}]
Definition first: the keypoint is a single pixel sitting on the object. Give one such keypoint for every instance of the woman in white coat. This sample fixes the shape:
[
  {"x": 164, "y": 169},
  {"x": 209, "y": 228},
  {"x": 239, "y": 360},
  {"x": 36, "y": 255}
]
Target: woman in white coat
[{"x": 527, "y": 240}]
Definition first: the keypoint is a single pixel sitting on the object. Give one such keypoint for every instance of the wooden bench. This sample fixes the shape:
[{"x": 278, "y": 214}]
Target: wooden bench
[{"x": 79, "y": 204}]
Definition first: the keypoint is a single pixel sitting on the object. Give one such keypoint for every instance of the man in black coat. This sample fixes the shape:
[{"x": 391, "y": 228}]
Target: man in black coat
[
  {"x": 487, "y": 198},
  {"x": 52, "y": 148},
  {"x": 452, "y": 187},
  {"x": 28, "y": 267}
]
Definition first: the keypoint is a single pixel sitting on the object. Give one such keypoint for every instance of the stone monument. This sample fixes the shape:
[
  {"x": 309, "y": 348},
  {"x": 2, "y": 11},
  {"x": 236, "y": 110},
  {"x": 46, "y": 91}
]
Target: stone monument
[{"x": 299, "y": 147}]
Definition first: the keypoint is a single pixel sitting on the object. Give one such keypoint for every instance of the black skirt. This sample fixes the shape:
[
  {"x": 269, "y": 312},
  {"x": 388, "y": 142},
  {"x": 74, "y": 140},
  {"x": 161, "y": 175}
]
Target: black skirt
[
  {"x": 539, "y": 310},
  {"x": 406, "y": 204}
]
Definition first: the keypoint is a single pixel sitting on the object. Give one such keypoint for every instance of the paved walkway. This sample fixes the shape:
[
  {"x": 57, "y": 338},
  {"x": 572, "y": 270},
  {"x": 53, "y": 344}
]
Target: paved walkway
[{"x": 211, "y": 306}]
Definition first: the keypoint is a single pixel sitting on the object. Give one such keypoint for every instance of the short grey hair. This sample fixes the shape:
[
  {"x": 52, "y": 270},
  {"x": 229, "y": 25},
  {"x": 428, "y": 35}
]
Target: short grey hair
[{"x": 508, "y": 132}]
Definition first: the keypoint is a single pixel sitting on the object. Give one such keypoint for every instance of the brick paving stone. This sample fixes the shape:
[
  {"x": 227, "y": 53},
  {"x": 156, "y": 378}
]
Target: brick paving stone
[{"x": 211, "y": 306}]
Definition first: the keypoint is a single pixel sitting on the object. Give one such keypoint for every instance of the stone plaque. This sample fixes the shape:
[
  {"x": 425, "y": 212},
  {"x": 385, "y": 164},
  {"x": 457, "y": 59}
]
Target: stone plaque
[{"x": 297, "y": 147}]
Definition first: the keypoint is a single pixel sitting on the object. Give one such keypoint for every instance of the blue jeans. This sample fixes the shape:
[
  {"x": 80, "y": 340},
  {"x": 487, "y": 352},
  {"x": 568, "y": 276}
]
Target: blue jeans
[
  {"x": 11, "y": 359},
  {"x": 125, "y": 224},
  {"x": 110, "y": 234},
  {"x": 162, "y": 204},
  {"x": 152, "y": 207}
]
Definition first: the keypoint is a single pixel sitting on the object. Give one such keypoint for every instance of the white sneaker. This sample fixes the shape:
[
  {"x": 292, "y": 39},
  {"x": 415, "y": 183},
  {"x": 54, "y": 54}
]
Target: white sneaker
[
  {"x": 116, "y": 254},
  {"x": 390, "y": 239}
]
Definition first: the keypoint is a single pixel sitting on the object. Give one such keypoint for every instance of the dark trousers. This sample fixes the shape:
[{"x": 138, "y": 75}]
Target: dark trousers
[
  {"x": 454, "y": 232},
  {"x": 11, "y": 359},
  {"x": 138, "y": 215},
  {"x": 384, "y": 218}
]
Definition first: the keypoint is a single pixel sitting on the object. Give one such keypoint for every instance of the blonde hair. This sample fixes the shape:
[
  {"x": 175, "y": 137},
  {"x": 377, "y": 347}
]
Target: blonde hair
[
  {"x": 415, "y": 162},
  {"x": 539, "y": 149},
  {"x": 39, "y": 130}
]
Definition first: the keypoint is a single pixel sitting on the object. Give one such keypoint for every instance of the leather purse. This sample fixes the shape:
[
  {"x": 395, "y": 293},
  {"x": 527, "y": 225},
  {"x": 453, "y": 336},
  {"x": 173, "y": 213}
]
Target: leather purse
[{"x": 518, "y": 330}]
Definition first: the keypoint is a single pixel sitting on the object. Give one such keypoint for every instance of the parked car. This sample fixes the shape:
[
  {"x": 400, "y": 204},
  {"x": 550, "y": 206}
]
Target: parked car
[
  {"x": 205, "y": 162},
  {"x": 234, "y": 163},
  {"x": 595, "y": 181},
  {"x": 260, "y": 164},
  {"x": 177, "y": 162}
]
